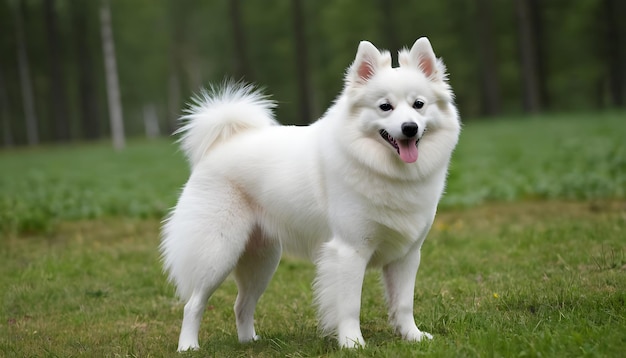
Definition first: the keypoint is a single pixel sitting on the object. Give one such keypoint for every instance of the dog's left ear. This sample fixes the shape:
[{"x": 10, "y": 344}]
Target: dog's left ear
[
  {"x": 365, "y": 64},
  {"x": 423, "y": 56}
]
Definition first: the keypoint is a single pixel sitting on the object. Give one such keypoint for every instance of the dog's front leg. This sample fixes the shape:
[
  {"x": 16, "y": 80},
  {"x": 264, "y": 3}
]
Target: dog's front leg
[
  {"x": 340, "y": 273},
  {"x": 399, "y": 278}
]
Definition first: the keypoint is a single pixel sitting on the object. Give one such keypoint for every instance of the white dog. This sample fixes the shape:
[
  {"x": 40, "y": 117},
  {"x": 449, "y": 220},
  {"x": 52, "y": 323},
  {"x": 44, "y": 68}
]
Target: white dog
[{"x": 358, "y": 188}]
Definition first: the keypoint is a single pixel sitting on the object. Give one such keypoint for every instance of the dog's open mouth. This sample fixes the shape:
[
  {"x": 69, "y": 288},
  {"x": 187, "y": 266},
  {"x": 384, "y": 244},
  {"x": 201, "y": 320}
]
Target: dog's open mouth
[{"x": 406, "y": 148}]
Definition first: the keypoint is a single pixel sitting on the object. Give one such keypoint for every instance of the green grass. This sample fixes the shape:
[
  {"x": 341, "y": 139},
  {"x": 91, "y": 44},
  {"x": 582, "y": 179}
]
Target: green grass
[
  {"x": 578, "y": 157},
  {"x": 526, "y": 258},
  {"x": 41, "y": 187},
  {"x": 500, "y": 280}
]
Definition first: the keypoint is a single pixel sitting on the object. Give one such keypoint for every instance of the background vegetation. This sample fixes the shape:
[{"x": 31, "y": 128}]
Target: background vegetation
[
  {"x": 504, "y": 57},
  {"x": 566, "y": 157}
]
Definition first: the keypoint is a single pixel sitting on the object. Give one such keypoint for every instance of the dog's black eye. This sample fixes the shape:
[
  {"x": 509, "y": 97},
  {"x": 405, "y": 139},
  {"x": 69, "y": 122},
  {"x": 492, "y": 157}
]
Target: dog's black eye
[
  {"x": 385, "y": 107},
  {"x": 418, "y": 104}
]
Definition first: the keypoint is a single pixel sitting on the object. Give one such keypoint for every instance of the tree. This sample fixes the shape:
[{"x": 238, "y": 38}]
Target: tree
[
  {"x": 302, "y": 70},
  {"x": 177, "y": 19},
  {"x": 57, "y": 83},
  {"x": 89, "y": 109},
  {"x": 526, "y": 26},
  {"x": 388, "y": 21},
  {"x": 240, "y": 57},
  {"x": 540, "y": 39},
  {"x": 492, "y": 101},
  {"x": 7, "y": 131},
  {"x": 614, "y": 51},
  {"x": 28, "y": 98},
  {"x": 113, "y": 90}
]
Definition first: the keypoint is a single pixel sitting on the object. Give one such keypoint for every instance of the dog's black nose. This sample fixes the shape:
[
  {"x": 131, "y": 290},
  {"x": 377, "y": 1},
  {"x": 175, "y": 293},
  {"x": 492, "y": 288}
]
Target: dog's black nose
[{"x": 409, "y": 129}]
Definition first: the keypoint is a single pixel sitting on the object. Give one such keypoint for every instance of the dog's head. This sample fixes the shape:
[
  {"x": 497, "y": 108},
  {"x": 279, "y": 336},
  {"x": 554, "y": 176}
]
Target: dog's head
[{"x": 397, "y": 106}]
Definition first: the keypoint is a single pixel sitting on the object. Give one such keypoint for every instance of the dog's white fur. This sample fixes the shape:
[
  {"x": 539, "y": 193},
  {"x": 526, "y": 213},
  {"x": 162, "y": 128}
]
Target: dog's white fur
[{"x": 335, "y": 191}]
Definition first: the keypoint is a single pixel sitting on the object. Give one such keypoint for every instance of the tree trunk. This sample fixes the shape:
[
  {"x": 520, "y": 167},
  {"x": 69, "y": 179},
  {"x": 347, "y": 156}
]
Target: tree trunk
[
  {"x": 303, "y": 81},
  {"x": 528, "y": 57},
  {"x": 492, "y": 101},
  {"x": 113, "y": 90},
  {"x": 541, "y": 54},
  {"x": 388, "y": 29},
  {"x": 57, "y": 85},
  {"x": 176, "y": 19},
  {"x": 89, "y": 113},
  {"x": 28, "y": 99},
  {"x": 614, "y": 51},
  {"x": 240, "y": 58},
  {"x": 5, "y": 114}
]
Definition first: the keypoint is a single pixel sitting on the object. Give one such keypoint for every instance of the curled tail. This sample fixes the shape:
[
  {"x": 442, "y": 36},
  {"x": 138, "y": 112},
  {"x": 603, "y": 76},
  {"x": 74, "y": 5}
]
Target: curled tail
[{"x": 217, "y": 114}]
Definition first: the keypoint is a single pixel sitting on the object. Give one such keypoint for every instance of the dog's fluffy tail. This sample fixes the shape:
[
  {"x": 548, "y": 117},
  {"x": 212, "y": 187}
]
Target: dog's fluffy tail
[{"x": 217, "y": 114}]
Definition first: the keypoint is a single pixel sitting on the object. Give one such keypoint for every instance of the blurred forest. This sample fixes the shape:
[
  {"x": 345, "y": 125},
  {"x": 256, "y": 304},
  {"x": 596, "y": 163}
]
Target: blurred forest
[{"x": 65, "y": 64}]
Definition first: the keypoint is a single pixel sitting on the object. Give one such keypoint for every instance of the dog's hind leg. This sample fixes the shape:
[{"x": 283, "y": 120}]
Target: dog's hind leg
[
  {"x": 210, "y": 238},
  {"x": 191, "y": 320},
  {"x": 252, "y": 274},
  {"x": 220, "y": 267}
]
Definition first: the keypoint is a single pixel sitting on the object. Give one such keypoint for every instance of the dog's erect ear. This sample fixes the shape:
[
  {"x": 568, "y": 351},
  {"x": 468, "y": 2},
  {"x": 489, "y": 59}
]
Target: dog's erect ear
[
  {"x": 366, "y": 63},
  {"x": 423, "y": 56}
]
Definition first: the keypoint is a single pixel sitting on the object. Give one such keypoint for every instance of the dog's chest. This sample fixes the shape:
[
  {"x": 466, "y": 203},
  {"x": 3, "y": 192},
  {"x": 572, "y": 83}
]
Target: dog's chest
[
  {"x": 400, "y": 220},
  {"x": 390, "y": 245}
]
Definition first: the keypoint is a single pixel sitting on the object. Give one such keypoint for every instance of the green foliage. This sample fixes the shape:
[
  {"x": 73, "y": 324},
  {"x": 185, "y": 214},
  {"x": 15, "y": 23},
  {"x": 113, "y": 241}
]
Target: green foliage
[
  {"x": 577, "y": 156},
  {"x": 168, "y": 49},
  {"x": 550, "y": 157},
  {"x": 41, "y": 187}
]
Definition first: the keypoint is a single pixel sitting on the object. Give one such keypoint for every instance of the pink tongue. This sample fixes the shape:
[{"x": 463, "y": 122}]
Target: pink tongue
[{"x": 408, "y": 150}]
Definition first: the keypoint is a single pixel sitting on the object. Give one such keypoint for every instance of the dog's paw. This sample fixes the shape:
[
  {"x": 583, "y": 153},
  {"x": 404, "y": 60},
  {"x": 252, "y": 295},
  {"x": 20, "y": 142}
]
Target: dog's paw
[
  {"x": 188, "y": 347},
  {"x": 416, "y": 335},
  {"x": 349, "y": 335},
  {"x": 249, "y": 339},
  {"x": 351, "y": 342}
]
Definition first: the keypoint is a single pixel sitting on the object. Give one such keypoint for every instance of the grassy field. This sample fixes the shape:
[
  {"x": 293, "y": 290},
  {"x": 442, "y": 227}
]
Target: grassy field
[{"x": 526, "y": 258}]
